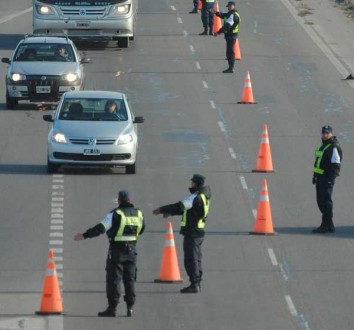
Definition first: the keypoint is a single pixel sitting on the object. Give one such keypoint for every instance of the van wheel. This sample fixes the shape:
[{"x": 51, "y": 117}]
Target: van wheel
[
  {"x": 123, "y": 42},
  {"x": 130, "y": 169}
]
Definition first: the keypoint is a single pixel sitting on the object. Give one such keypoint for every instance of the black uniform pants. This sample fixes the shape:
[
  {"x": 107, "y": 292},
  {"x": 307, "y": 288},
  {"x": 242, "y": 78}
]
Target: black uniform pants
[
  {"x": 230, "y": 52},
  {"x": 192, "y": 248},
  {"x": 121, "y": 265},
  {"x": 207, "y": 16},
  {"x": 324, "y": 191}
]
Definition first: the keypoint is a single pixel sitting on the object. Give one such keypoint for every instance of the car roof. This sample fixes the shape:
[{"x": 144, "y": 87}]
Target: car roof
[
  {"x": 94, "y": 94},
  {"x": 43, "y": 40}
]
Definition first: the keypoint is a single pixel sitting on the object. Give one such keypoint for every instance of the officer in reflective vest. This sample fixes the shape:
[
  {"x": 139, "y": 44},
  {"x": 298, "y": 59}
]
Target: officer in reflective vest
[
  {"x": 232, "y": 20},
  {"x": 122, "y": 225},
  {"x": 207, "y": 16},
  {"x": 327, "y": 165},
  {"x": 194, "y": 210}
]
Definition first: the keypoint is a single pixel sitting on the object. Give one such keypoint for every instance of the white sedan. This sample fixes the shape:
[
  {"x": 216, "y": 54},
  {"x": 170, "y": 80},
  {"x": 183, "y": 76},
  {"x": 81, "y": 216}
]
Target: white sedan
[{"x": 93, "y": 128}]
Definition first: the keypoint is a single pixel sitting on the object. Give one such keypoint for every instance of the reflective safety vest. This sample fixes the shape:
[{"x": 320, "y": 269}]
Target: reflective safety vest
[
  {"x": 319, "y": 155},
  {"x": 130, "y": 226},
  {"x": 235, "y": 30},
  {"x": 209, "y": 1},
  {"x": 201, "y": 222}
]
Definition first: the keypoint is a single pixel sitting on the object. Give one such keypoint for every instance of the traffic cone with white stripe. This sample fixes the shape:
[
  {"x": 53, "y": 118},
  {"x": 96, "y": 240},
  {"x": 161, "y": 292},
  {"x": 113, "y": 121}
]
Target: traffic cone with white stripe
[
  {"x": 216, "y": 19},
  {"x": 247, "y": 94},
  {"x": 264, "y": 160},
  {"x": 264, "y": 222},
  {"x": 51, "y": 303},
  {"x": 169, "y": 271}
]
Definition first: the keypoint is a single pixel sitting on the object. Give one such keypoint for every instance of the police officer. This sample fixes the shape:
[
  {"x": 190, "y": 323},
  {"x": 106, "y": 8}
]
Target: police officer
[
  {"x": 207, "y": 16},
  {"x": 328, "y": 159},
  {"x": 195, "y": 7},
  {"x": 194, "y": 210},
  {"x": 232, "y": 20},
  {"x": 122, "y": 225}
]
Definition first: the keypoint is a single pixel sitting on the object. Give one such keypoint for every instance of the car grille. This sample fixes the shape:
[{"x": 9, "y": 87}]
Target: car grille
[
  {"x": 94, "y": 158},
  {"x": 98, "y": 141},
  {"x": 38, "y": 81},
  {"x": 83, "y": 13}
]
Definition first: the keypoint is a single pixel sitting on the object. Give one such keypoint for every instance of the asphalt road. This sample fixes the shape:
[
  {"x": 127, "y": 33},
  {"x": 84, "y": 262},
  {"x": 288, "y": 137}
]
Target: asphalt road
[{"x": 172, "y": 76}]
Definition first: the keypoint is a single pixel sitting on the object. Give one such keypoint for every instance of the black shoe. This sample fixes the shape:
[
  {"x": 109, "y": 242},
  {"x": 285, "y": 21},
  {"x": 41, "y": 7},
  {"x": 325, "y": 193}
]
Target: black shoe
[
  {"x": 331, "y": 229},
  {"x": 320, "y": 230},
  {"x": 204, "y": 33},
  {"x": 211, "y": 32},
  {"x": 109, "y": 312},
  {"x": 229, "y": 71},
  {"x": 193, "y": 288},
  {"x": 194, "y": 11},
  {"x": 129, "y": 311}
]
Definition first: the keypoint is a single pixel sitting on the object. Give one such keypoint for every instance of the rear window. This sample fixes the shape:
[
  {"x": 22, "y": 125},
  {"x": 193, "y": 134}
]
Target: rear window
[{"x": 93, "y": 110}]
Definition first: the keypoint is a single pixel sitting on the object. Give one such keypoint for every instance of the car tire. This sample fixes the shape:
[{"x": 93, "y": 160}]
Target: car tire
[
  {"x": 52, "y": 168},
  {"x": 123, "y": 42},
  {"x": 10, "y": 102},
  {"x": 130, "y": 169}
]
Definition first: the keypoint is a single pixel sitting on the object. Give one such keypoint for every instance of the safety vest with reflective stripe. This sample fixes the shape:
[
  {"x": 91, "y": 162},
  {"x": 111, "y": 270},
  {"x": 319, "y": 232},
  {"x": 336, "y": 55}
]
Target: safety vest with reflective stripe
[
  {"x": 235, "y": 30},
  {"x": 209, "y": 1},
  {"x": 201, "y": 222},
  {"x": 319, "y": 155},
  {"x": 130, "y": 226}
]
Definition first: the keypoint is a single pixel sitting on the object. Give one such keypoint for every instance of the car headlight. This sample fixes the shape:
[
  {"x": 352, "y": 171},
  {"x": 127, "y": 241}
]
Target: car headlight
[
  {"x": 125, "y": 139},
  {"x": 70, "y": 77},
  {"x": 17, "y": 76},
  {"x": 45, "y": 10},
  {"x": 59, "y": 137},
  {"x": 120, "y": 10}
]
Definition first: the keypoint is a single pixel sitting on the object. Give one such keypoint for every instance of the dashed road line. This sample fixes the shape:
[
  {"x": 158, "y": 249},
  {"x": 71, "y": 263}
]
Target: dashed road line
[
  {"x": 197, "y": 64},
  {"x": 179, "y": 20},
  {"x": 205, "y": 84},
  {"x": 291, "y": 305},
  {"x": 222, "y": 127},
  {"x": 272, "y": 257},
  {"x": 212, "y": 104},
  {"x": 173, "y": 8},
  {"x": 232, "y": 153}
]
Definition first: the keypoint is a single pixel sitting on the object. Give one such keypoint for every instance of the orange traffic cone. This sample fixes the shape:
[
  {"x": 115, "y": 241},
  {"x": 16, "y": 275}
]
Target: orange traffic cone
[
  {"x": 264, "y": 223},
  {"x": 237, "y": 50},
  {"x": 200, "y": 5},
  {"x": 216, "y": 20},
  {"x": 264, "y": 160},
  {"x": 169, "y": 271},
  {"x": 247, "y": 94},
  {"x": 51, "y": 298}
]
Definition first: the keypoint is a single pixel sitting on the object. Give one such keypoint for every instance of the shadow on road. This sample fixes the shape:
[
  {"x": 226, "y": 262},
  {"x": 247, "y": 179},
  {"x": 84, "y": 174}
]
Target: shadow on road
[{"x": 341, "y": 231}]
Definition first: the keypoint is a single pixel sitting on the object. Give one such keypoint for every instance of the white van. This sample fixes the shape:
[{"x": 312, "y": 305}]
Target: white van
[{"x": 86, "y": 18}]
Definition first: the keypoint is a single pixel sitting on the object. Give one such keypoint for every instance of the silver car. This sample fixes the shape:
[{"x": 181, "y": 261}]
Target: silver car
[
  {"x": 42, "y": 69},
  {"x": 93, "y": 128}
]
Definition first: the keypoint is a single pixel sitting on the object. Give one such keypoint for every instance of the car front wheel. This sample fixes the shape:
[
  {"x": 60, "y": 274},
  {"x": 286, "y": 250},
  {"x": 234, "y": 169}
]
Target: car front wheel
[
  {"x": 52, "y": 168},
  {"x": 130, "y": 169},
  {"x": 10, "y": 102}
]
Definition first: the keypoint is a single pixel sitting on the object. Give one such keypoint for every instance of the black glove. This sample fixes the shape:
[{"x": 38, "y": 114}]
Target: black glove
[{"x": 314, "y": 180}]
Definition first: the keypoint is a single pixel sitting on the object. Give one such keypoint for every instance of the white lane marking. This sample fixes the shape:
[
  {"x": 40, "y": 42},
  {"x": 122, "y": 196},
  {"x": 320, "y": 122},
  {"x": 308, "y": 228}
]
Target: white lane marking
[
  {"x": 221, "y": 125},
  {"x": 57, "y": 187},
  {"x": 58, "y": 180},
  {"x": 254, "y": 211},
  {"x": 197, "y": 64},
  {"x": 56, "y": 222},
  {"x": 57, "y": 199},
  {"x": 243, "y": 182},
  {"x": 185, "y": 33},
  {"x": 272, "y": 257},
  {"x": 57, "y": 258},
  {"x": 232, "y": 153},
  {"x": 54, "y": 205},
  {"x": 179, "y": 20},
  {"x": 56, "y": 227},
  {"x": 56, "y": 242},
  {"x": 10, "y": 17},
  {"x": 57, "y": 250},
  {"x": 212, "y": 104},
  {"x": 291, "y": 305},
  {"x": 191, "y": 48},
  {"x": 205, "y": 84},
  {"x": 57, "y": 210},
  {"x": 283, "y": 272},
  {"x": 173, "y": 7},
  {"x": 57, "y": 193},
  {"x": 59, "y": 266},
  {"x": 57, "y": 216},
  {"x": 56, "y": 234}
]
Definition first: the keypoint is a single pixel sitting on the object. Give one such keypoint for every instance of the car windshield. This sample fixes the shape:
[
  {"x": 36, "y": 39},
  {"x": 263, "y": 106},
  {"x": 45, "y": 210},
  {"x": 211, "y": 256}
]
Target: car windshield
[
  {"x": 93, "y": 109},
  {"x": 44, "y": 52}
]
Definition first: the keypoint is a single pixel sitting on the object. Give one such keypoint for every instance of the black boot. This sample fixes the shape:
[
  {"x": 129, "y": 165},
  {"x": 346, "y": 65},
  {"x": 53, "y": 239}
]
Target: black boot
[
  {"x": 129, "y": 310},
  {"x": 194, "y": 11},
  {"x": 193, "y": 288},
  {"x": 211, "y": 31},
  {"x": 321, "y": 230},
  {"x": 109, "y": 312},
  {"x": 204, "y": 33},
  {"x": 229, "y": 70}
]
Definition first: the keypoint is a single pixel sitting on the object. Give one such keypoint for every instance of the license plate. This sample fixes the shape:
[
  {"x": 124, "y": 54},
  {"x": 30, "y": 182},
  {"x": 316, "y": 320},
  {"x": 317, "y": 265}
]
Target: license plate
[
  {"x": 92, "y": 152},
  {"x": 82, "y": 24},
  {"x": 42, "y": 89}
]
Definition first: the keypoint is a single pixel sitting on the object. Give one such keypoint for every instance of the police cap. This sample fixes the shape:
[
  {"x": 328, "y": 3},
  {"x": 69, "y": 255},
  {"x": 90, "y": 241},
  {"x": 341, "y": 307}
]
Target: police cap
[
  {"x": 123, "y": 196},
  {"x": 327, "y": 129},
  {"x": 231, "y": 3},
  {"x": 198, "y": 180}
]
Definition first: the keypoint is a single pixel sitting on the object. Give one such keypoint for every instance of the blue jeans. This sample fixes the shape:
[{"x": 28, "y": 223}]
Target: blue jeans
[{"x": 207, "y": 16}]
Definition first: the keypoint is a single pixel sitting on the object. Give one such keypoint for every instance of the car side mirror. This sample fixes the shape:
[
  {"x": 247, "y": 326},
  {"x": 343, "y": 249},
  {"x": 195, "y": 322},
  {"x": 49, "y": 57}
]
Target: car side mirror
[
  {"x": 48, "y": 118},
  {"x": 5, "y": 60},
  {"x": 138, "y": 120},
  {"x": 85, "y": 60}
]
